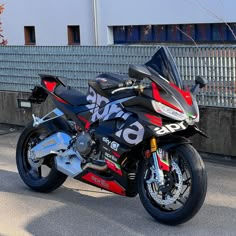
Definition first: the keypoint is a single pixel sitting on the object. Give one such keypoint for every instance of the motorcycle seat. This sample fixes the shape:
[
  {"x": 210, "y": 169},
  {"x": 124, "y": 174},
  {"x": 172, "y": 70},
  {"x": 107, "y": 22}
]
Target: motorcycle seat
[{"x": 71, "y": 95}]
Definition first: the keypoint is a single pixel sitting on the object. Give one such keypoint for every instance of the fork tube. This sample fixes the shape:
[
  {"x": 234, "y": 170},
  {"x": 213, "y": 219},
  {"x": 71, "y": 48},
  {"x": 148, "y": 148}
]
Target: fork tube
[
  {"x": 159, "y": 173},
  {"x": 153, "y": 144}
]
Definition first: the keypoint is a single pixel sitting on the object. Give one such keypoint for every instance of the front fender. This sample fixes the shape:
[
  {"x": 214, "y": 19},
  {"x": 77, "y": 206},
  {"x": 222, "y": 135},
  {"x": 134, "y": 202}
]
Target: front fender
[{"x": 172, "y": 141}]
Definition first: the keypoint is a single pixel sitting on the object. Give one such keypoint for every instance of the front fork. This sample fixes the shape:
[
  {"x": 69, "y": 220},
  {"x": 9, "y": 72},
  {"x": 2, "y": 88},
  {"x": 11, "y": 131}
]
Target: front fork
[{"x": 160, "y": 162}]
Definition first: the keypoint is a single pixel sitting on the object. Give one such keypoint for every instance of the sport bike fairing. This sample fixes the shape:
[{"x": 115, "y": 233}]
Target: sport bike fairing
[
  {"x": 168, "y": 86},
  {"x": 164, "y": 102},
  {"x": 122, "y": 120}
]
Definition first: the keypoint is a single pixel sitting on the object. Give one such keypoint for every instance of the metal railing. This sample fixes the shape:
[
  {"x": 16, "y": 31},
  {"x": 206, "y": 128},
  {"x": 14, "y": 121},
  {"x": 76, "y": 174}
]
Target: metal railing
[{"x": 20, "y": 66}]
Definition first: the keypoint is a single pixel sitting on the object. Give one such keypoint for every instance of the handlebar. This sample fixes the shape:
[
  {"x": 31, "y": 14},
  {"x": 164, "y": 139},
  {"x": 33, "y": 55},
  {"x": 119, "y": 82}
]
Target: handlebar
[
  {"x": 139, "y": 88},
  {"x": 124, "y": 85}
]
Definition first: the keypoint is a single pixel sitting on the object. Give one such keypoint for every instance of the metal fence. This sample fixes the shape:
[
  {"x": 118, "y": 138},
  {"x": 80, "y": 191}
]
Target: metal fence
[{"x": 20, "y": 66}]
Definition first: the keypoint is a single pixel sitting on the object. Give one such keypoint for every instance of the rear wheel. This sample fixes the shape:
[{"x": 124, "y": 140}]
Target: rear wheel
[
  {"x": 40, "y": 175},
  {"x": 184, "y": 189}
]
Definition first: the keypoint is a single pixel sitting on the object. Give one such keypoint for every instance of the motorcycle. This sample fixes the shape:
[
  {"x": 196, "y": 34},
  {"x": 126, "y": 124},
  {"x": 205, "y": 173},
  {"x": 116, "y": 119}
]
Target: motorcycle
[{"x": 127, "y": 135}]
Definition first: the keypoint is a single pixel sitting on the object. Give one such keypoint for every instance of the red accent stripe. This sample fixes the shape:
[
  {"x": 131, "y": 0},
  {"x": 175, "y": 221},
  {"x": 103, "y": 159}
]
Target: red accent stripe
[
  {"x": 157, "y": 97},
  {"x": 185, "y": 94},
  {"x": 154, "y": 119},
  {"x": 116, "y": 154},
  {"x": 60, "y": 100},
  {"x": 105, "y": 184},
  {"x": 163, "y": 165},
  {"x": 87, "y": 123},
  {"x": 113, "y": 167}
]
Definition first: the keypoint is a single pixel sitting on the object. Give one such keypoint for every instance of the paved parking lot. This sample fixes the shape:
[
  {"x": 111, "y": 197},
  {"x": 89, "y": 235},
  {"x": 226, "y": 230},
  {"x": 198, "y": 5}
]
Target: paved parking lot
[{"x": 78, "y": 209}]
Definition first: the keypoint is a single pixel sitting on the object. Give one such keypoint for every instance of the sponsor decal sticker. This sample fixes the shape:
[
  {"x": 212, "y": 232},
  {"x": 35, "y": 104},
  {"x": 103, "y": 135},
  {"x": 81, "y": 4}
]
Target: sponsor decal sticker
[
  {"x": 113, "y": 145},
  {"x": 109, "y": 156}
]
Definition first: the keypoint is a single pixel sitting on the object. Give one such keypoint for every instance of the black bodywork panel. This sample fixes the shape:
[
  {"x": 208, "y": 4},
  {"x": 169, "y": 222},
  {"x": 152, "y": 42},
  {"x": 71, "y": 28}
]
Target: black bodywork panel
[{"x": 38, "y": 95}]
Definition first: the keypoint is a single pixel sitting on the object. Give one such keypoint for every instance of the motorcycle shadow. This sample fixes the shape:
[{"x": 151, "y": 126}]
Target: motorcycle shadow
[{"x": 79, "y": 210}]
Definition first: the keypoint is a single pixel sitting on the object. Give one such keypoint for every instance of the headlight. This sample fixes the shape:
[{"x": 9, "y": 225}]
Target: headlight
[{"x": 168, "y": 111}]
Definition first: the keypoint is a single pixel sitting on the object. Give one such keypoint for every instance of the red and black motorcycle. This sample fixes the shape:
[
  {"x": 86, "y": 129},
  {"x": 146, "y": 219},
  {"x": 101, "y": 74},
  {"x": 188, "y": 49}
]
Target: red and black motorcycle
[{"x": 128, "y": 135}]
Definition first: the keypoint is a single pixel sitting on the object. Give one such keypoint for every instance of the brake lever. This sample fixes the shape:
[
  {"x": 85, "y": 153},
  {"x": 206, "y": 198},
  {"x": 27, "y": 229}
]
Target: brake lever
[
  {"x": 124, "y": 88},
  {"x": 139, "y": 88}
]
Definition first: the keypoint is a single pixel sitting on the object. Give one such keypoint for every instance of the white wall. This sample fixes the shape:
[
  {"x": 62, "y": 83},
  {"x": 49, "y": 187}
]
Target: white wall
[
  {"x": 51, "y": 17},
  {"x": 141, "y": 12}
]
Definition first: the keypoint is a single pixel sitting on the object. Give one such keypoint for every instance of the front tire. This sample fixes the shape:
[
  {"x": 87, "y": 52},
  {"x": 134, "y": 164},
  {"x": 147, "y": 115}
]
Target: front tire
[
  {"x": 168, "y": 204},
  {"x": 42, "y": 175}
]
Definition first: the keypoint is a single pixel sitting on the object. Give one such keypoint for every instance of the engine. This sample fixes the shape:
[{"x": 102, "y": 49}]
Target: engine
[
  {"x": 84, "y": 143},
  {"x": 87, "y": 146}
]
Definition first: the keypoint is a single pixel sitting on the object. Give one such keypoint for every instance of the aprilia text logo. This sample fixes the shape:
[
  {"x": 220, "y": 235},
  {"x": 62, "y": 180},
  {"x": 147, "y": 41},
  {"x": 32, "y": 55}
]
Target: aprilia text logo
[{"x": 170, "y": 128}]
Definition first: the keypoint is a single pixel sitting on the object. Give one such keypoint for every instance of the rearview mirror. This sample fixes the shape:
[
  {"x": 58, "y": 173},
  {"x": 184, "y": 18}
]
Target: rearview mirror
[
  {"x": 201, "y": 81},
  {"x": 138, "y": 72}
]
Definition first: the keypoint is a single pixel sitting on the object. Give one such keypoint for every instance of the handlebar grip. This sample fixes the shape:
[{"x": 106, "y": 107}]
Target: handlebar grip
[{"x": 126, "y": 83}]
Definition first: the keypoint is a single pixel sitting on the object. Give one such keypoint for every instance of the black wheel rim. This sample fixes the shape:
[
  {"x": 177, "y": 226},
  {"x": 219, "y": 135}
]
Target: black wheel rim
[
  {"x": 170, "y": 180},
  {"x": 39, "y": 172}
]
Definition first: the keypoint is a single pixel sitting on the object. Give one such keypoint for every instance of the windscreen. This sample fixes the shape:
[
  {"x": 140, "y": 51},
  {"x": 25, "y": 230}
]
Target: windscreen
[{"x": 163, "y": 63}]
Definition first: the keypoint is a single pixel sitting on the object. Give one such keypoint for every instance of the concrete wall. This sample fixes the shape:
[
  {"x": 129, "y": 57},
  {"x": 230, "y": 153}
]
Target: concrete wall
[
  {"x": 218, "y": 123},
  {"x": 11, "y": 114},
  {"x": 51, "y": 17},
  {"x": 220, "y": 126}
]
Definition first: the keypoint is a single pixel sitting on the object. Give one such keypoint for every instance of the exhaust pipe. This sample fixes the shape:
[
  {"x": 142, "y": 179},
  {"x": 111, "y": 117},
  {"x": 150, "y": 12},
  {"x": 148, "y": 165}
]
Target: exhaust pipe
[{"x": 95, "y": 167}]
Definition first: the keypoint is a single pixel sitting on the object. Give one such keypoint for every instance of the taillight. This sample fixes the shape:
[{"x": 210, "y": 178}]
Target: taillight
[{"x": 50, "y": 86}]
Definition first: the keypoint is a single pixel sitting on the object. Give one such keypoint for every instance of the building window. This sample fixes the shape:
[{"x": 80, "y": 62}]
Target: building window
[
  {"x": 30, "y": 38},
  {"x": 146, "y": 34},
  {"x": 119, "y": 34},
  {"x": 133, "y": 34},
  {"x": 184, "y": 33},
  {"x": 203, "y": 33},
  {"x": 173, "y": 34},
  {"x": 73, "y": 34},
  {"x": 219, "y": 32},
  {"x": 188, "y": 33},
  {"x": 231, "y": 32},
  {"x": 160, "y": 32}
]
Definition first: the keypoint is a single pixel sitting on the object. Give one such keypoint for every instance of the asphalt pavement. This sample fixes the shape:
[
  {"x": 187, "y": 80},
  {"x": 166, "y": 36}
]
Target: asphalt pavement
[{"x": 78, "y": 209}]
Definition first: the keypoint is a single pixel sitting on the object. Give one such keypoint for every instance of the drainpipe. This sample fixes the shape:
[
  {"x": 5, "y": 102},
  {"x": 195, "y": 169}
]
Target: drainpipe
[{"x": 95, "y": 22}]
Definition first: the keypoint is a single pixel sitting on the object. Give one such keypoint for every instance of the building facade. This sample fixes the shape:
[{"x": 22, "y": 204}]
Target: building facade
[{"x": 107, "y": 22}]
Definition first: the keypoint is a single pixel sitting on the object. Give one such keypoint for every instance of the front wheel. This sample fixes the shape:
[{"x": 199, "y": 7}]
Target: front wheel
[{"x": 184, "y": 189}]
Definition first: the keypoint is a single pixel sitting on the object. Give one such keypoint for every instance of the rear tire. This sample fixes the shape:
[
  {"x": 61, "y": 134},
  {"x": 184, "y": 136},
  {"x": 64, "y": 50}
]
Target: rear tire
[
  {"x": 188, "y": 160},
  {"x": 31, "y": 172}
]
